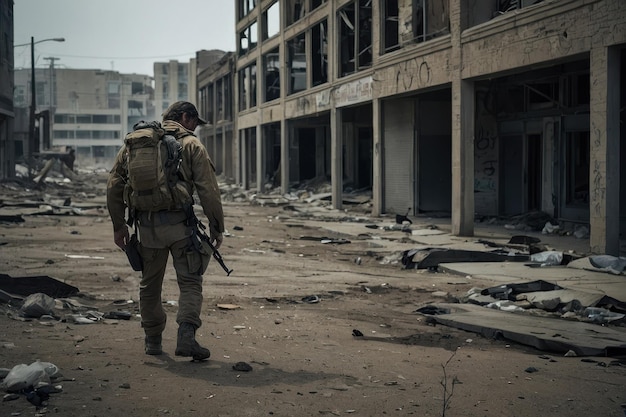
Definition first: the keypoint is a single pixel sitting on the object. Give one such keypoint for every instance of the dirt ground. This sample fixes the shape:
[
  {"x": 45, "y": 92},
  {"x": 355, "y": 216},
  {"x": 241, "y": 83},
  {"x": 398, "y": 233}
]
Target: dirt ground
[{"x": 305, "y": 359}]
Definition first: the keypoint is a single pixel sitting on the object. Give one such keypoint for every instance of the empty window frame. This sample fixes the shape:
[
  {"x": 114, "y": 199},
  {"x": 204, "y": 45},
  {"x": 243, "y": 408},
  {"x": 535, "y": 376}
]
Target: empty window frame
[
  {"x": 296, "y": 9},
  {"x": 271, "y": 21},
  {"x": 316, "y": 3},
  {"x": 296, "y": 64},
  {"x": 245, "y": 7},
  {"x": 431, "y": 18},
  {"x": 206, "y": 102},
  {"x": 355, "y": 36},
  {"x": 228, "y": 97},
  {"x": 247, "y": 87},
  {"x": 248, "y": 39},
  {"x": 390, "y": 26},
  {"x": 503, "y": 6},
  {"x": 271, "y": 68},
  {"x": 319, "y": 54},
  {"x": 219, "y": 99}
]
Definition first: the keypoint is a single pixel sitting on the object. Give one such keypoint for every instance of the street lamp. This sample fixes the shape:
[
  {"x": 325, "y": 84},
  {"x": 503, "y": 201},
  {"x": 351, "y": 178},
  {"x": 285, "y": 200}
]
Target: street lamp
[{"x": 33, "y": 101}]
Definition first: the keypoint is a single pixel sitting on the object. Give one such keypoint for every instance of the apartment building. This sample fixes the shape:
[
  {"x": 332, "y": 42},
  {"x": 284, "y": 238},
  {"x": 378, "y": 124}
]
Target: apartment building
[
  {"x": 471, "y": 108},
  {"x": 7, "y": 114},
  {"x": 215, "y": 104},
  {"x": 172, "y": 83},
  {"x": 87, "y": 110}
]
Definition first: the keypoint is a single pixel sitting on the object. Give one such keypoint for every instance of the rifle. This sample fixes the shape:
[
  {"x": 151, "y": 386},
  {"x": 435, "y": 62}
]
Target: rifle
[{"x": 203, "y": 236}]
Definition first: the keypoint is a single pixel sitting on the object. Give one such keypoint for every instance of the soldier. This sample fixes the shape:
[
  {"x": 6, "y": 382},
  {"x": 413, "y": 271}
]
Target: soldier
[{"x": 170, "y": 231}]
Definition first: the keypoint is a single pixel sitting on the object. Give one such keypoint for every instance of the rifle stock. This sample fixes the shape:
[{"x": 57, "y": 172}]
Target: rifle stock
[
  {"x": 216, "y": 254},
  {"x": 200, "y": 229}
]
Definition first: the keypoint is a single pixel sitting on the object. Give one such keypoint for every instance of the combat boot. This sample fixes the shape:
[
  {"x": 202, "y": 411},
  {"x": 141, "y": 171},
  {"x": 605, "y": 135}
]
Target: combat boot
[
  {"x": 186, "y": 345},
  {"x": 153, "y": 345}
]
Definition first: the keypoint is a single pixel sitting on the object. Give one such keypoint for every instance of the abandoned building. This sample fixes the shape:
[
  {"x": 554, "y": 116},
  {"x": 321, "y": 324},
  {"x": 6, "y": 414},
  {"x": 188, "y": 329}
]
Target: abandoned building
[{"x": 481, "y": 107}]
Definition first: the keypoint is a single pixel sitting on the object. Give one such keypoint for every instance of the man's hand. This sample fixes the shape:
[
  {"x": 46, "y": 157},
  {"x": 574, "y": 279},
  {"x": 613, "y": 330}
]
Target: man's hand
[
  {"x": 120, "y": 237},
  {"x": 216, "y": 240}
]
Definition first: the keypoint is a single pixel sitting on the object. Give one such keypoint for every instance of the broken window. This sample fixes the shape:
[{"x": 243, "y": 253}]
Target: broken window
[
  {"x": 542, "y": 94},
  {"x": 248, "y": 39},
  {"x": 319, "y": 54},
  {"x": 391, "y": 40},
  {"x": 430, "y": 19},
  {"x": 271, "y": 21},
  {"x": 271, "y": 66},
  {"x": 355, "y": 36},
  {"x": 504, "y": 6},
  {"x": 247, "y": 87},
  {"x": 245, "y": 7},
  {"x": 296, "y": 65}
]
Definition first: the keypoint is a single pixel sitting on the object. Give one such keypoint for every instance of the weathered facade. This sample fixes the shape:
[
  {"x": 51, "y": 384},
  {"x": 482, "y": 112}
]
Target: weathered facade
[
  {"x": 7, "y": 114},
  {"x": 87, "y": 110},
  {"x": 467, "y": 107},
  {"x": 215, "y": 104}
]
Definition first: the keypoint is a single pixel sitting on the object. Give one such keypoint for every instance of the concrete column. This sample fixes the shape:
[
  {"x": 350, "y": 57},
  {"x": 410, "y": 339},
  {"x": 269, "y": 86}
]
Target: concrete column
[
  {"x": 377, "y": 168},
  {"x": 336, "y": 169},
  {"x": 260, "y": 160},
  {"x": 604, "y": 172},
  {"x": 244, "y": 159},
  {"x": 284, "y": 157},
  {"x": 463, "y": 116}
]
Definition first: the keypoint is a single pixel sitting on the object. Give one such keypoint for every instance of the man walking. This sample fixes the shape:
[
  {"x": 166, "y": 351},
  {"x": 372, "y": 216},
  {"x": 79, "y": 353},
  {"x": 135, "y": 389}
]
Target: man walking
[{"x": 171, "y": 231}]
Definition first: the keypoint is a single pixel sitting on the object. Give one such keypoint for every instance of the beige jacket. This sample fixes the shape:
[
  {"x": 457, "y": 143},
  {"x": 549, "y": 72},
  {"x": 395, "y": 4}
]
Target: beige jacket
[{"x": 197, "y": 169}]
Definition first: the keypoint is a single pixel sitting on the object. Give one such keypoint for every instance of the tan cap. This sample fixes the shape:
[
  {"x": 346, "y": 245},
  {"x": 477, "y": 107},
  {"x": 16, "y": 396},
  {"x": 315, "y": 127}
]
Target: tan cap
[{"x": 175, "y": 111}]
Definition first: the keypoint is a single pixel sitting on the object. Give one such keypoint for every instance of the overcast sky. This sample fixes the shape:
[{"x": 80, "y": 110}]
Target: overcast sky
[{"x": 122, "y": 35}]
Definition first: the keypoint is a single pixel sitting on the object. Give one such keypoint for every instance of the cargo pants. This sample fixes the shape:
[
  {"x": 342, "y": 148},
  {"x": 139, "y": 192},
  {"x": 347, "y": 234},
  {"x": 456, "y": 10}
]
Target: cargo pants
[{"x": 163, "y": 234}]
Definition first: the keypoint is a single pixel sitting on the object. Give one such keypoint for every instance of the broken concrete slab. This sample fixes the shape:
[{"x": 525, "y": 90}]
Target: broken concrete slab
[
  {"x": 564, "y": 276},
  {"x": 543, "y": 333},
  {"x": 431, "y": 257},
  {"x": 25, "y": 286}
]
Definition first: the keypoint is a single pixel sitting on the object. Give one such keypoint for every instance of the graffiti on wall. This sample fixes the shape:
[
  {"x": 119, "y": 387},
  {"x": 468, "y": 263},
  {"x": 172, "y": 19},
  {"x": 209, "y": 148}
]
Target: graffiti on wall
[
  {"x": 486, "y": 166},
  {"x": 412, "y": 74}
]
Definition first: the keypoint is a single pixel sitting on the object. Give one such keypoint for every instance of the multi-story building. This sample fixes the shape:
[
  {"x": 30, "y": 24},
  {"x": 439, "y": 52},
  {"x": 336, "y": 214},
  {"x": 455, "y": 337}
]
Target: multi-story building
[
  {"x": 171, "y": 84},
  {"x": 215, "y": 104},
  {"x": 482, "y": 107},
  {"x": 7, "y": 114},
  {"x": 87, "y": 110}
]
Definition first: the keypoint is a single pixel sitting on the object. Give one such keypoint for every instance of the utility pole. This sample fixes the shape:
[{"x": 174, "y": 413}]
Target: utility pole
[
  {"x": 52, "y": 83},
  {"x": 48, "y": 138}
]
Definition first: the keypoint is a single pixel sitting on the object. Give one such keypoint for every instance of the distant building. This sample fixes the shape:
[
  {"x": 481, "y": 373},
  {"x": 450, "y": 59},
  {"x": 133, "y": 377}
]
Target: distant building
[
  {"x": 7, "y": 113},
  {"x": 87, "y": 110},
  {"x": 171, "y": 84}
]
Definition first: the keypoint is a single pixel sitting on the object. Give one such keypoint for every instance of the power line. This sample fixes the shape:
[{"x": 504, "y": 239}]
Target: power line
[{"x": 126, "y": 57}]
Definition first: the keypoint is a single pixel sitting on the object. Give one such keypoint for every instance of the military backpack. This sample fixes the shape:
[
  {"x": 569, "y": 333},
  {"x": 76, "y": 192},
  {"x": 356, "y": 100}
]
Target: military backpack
[{"x": 153, "y": 160}]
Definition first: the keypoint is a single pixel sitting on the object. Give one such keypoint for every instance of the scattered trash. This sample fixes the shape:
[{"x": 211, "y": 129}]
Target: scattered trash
[
  {"x": 242, "y": 367},
  {"x": 22, "y": 376},
  {"x": 601, "y": 315},
  {"x": 612, "y": 264},
  {"x": 547, "y": 258},
  {"x": 228, "y": 306},
  {"x": 37, "y": 305},
  {"x": 83, "y": 257},
  {"x": 311, "y": 299},
  {"x": 357, "y": 333},
  {"x": 118, "y": 315},
  {"x": 531, "y": 370}
]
